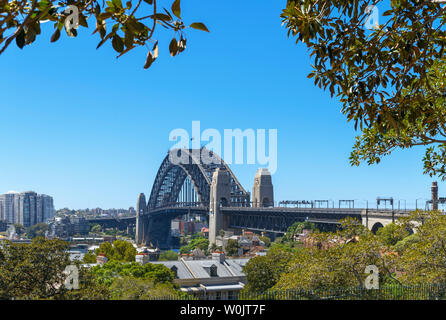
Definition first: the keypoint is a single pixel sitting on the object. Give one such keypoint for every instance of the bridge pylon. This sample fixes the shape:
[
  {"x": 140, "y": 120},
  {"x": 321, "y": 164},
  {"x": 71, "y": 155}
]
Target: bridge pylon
[
  {"x": 262, "y": 190},
  {"x": 220, "y": 196},
  {"x": 141, "y": 217}
]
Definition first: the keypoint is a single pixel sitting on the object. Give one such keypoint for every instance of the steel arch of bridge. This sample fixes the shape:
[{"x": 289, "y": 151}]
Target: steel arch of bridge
[{"x": 170, "y": 179}]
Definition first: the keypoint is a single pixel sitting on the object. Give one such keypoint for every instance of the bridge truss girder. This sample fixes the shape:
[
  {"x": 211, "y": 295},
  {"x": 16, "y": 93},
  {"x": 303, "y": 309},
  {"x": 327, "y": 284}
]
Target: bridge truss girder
[{"x": 170, "y": 179}]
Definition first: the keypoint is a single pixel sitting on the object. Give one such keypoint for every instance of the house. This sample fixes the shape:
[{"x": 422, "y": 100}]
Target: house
[{"x": 213, "y": 279}]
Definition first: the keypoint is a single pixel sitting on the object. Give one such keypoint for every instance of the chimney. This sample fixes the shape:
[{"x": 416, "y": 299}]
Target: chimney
[
  {"x": 219, "y": 256},
  {"x": 434, "y": 193}
]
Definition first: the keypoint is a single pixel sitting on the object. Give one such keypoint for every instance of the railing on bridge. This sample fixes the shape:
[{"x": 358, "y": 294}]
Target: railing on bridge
[{"x": 194, "y": 204}]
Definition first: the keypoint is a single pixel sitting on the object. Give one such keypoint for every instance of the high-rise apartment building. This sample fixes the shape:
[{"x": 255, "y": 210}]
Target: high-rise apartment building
[{"x": 26, "y": 208}]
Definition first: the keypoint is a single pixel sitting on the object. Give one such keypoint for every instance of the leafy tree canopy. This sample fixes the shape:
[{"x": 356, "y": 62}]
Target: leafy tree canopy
[
  {"x": 158, "y": 273},
  {"x": 129, "y": 288},
  {"x": 263, "y": 272},
  {"x": 119, "y": 251},
  {"x": 37, "y": 230},
  {"x": 36, "y": 271},
  {"x": 295, "y": 229},
  {"x": 198, "y": 242},
  {"x": 390, "y": 80},
  {"x": 232, "y": 247},
  {"x": 126, "y": 25},
  {"x": 168, "y": 256},
  {"x": 391, "y": 234}
]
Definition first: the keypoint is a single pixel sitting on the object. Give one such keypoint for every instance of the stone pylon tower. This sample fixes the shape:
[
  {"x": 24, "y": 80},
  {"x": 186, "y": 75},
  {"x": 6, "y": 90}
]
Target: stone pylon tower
[
  {"x": 141, "y": 212},
  {"x": 220, "y": 197},
  {"x": 262, "y": 191},
  {"x": 434, "y": 191}
]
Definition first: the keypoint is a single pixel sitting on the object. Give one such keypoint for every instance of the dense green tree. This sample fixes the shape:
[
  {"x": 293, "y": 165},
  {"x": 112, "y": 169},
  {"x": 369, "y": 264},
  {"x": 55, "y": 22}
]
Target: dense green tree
[
  {"x": 158, "y": 273},
  {"x": 390, "y": 78},
  {"x": 89, "y": 257},
  {"x": 341, "y": 264},
  {"x": 266, "y": 240},
  {"x": 232, "y": 247},
  {"x": 263, "y": 272},
  {"x": 295, "y": 229},
  {"x": 33, "y": 271},
  {"x": 391, "y": 234},
  {"x": 423, "y": 258},
  {"x": 168, "y": 256},
  {"x": 96, "y": 228},
  {"x": 119, "y": 251},
  {"x": 200, "y": 243},
  {"x": 89, "y": 288},
  {"x": 126, "y": 26},
  {"x": 402, "y": 245},
  {"x": 37, "y": 230},
  {"x": 130, "y": 288}
]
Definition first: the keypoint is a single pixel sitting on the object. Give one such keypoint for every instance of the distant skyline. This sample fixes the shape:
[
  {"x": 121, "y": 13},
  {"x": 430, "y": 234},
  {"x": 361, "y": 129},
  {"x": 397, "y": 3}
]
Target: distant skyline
[{"x": 92, "y": 130}]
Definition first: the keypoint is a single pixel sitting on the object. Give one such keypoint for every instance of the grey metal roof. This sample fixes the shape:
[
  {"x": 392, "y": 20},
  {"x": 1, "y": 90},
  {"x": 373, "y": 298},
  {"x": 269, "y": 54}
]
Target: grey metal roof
[
  {"x": 237, "y": 265},
  {"x": 198, "y": 268},
  {"x": 182, "y": 272}
]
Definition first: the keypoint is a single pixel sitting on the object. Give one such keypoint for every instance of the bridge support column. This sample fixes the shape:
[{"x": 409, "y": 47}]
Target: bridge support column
[
  {"x": 262, "y": 191},
  {"x": 141, "y": 223},
  {"x": 220, "y": 196}
]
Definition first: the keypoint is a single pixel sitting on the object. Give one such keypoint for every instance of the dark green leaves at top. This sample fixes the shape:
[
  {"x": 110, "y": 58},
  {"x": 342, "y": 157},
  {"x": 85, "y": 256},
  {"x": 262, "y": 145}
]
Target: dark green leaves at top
[
  {"x": 117, "y": 3},
  {"x": 176, "y": 9},
  {"x": 199, "y": 26},
  {"x": 117, "y": 43},
  {"x": 20, "y": 39},
  {"x": 173, "y": 47},
  {"x": 151, "y": 58}
]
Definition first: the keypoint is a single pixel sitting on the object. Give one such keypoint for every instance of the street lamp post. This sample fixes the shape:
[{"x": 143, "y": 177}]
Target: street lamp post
[
  {"x": 416, "y": 203},
  {"x": 366, "y": 213}
]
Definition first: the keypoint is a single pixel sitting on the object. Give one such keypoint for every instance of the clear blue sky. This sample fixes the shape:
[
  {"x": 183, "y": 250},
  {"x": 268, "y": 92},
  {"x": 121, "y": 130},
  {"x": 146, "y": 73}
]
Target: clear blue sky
[{"x": 91, "y": 130}]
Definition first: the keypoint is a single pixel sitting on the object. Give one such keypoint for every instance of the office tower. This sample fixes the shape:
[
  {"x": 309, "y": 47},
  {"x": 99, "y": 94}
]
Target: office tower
[{"x": 26, "y": 208}]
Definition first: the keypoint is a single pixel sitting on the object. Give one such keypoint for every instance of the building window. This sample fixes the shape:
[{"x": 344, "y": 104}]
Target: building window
[
  {"x": 175, "y": 271},
  {"x": 213, "y": 270}
]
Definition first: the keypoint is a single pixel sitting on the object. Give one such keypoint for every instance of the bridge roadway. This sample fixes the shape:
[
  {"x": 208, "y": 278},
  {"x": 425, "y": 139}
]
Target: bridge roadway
[{"x": 269, "y": 219}]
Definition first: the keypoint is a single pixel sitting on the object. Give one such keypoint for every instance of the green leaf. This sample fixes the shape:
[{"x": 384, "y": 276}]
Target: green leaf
[
  {"x": 199, "y": 26},
  {"x": 173, "y": 47},
  {"x": 128, "y": 39},
  {"x": 149, "y": 60},
  {"x": 55, "y": 36},
  {"x": 176, "y": 9},
  {"x": 117, "y": 43},
  {"x": 162, "y": 16},
  {"x": 117, "y": 3},
  {"x": 83, "y": 21},
  {"x": 20, "y": 39}
]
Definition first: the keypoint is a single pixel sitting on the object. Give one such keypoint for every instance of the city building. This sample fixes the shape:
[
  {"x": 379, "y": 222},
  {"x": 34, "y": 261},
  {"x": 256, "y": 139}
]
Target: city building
[
  {"x": 69, "y": 226},
  {"x": 26, "y": 208}
]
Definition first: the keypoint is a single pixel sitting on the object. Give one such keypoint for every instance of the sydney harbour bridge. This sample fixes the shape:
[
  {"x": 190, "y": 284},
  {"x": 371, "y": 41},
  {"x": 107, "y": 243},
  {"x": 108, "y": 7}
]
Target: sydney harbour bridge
[{"x": 209, "y": 188}]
